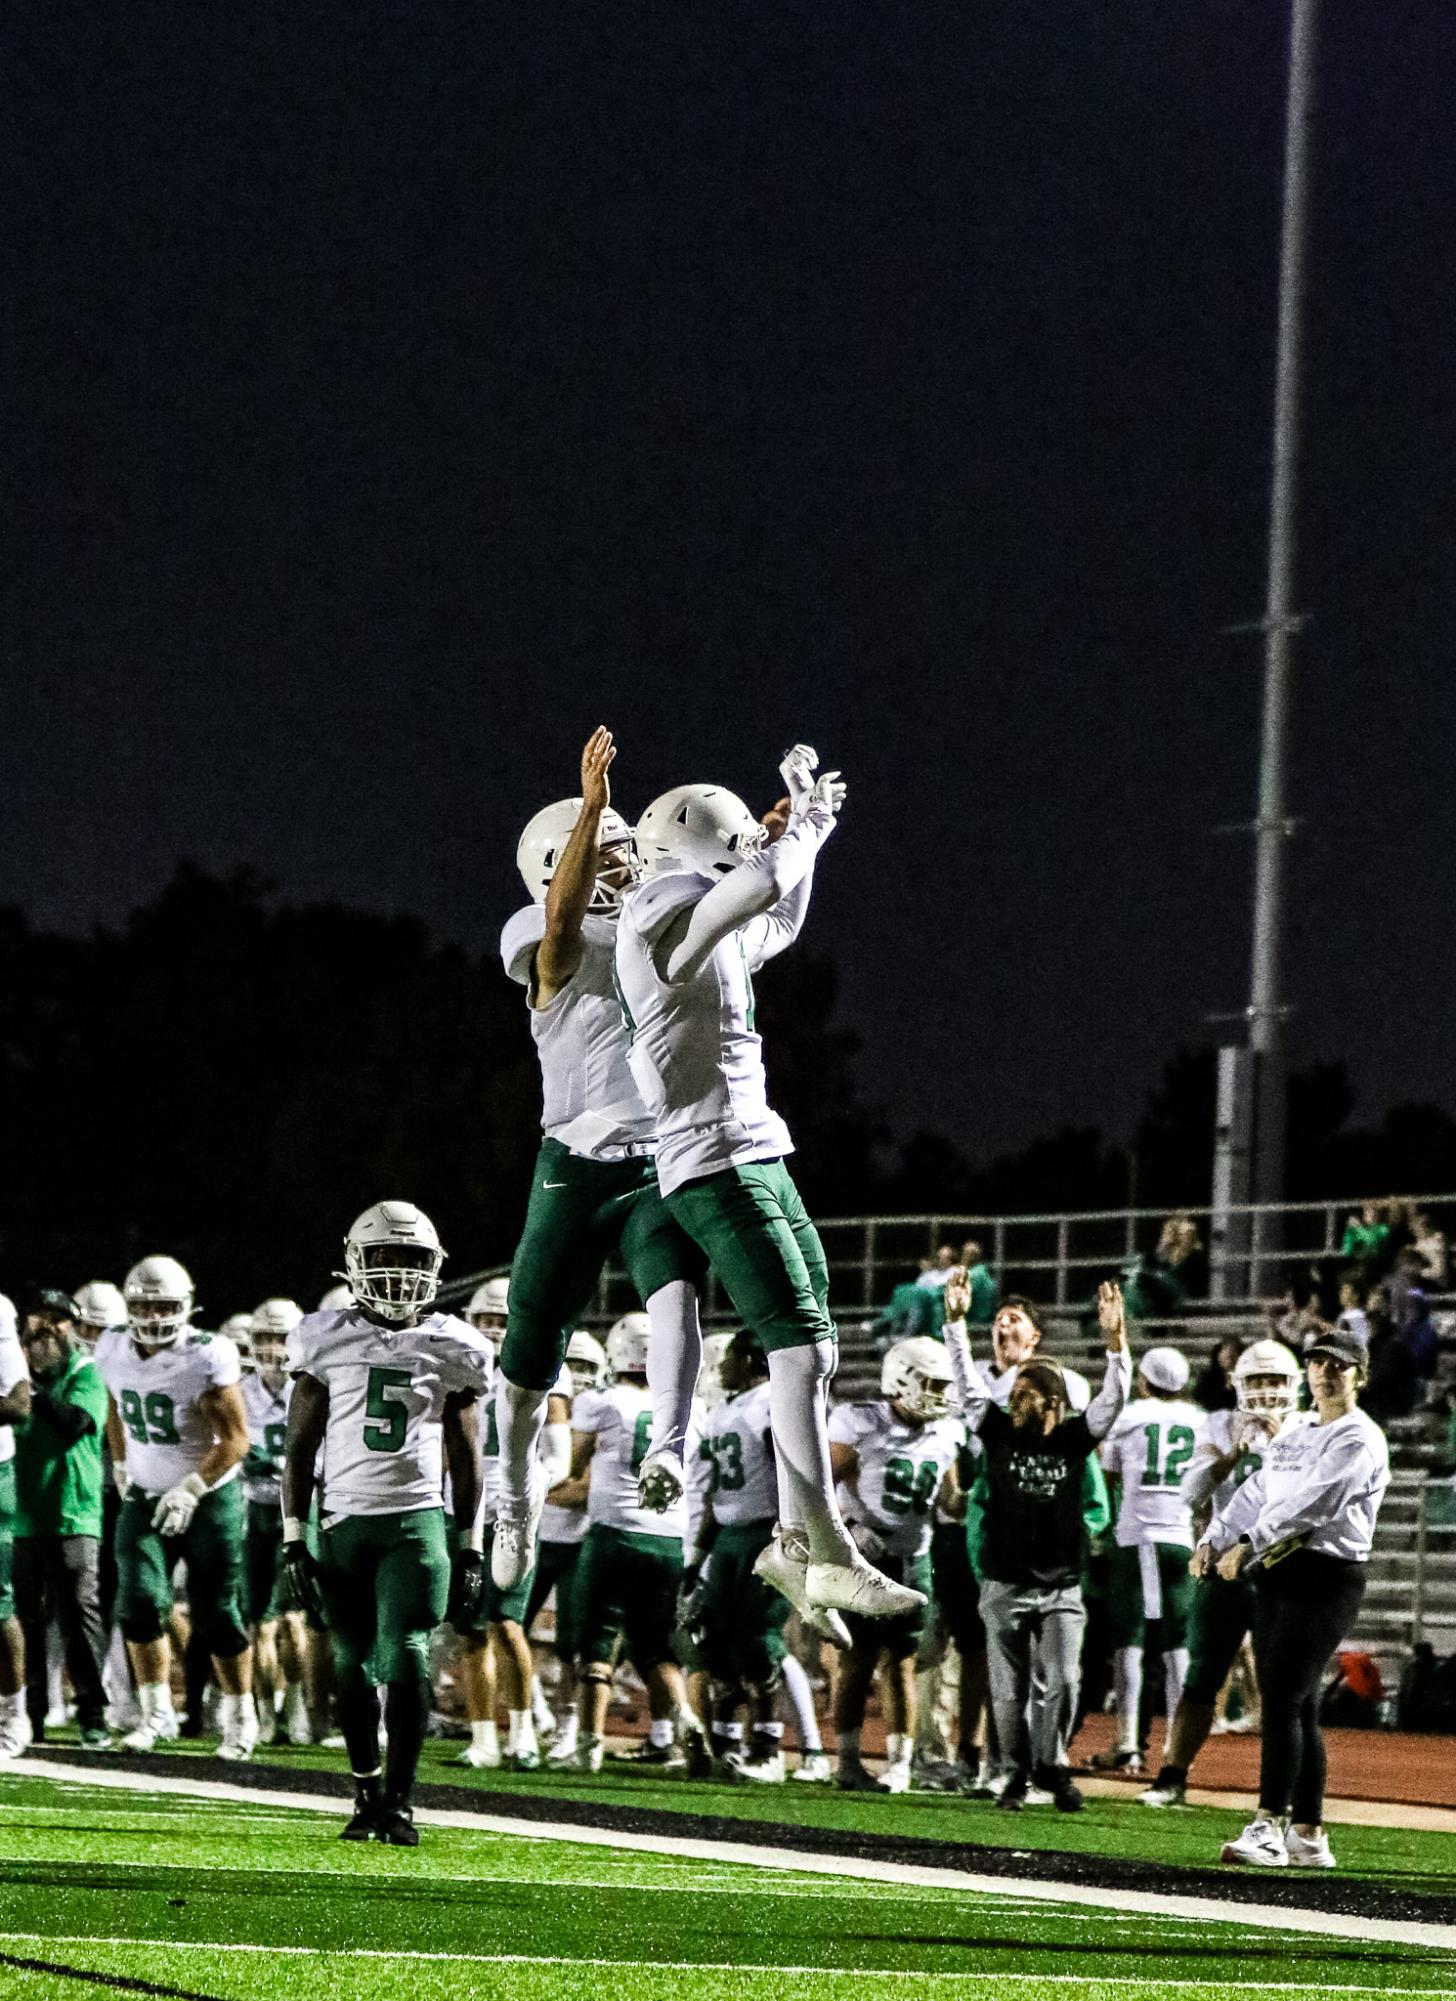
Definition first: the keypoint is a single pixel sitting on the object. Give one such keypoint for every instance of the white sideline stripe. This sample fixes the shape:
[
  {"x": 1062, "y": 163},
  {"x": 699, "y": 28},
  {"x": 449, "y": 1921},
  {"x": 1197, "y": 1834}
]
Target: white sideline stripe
[
  {"x": 860, "y": 1973},
  {"x": 687, "y": 1965},
  {"x": 1145, "y": 1903}
]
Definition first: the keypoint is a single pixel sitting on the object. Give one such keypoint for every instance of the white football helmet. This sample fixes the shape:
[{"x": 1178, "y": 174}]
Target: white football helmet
[
  {"x": 489, "y": 1305},
  {"x": 704, "y": 828},
  {"x": 338, "y": 1299},
  {"x": 275, "y": 1318},
  {"x": 917, "y": 1375},
  {"x": 158, "y": 1295},
  {"x": 1268, "y": 1358},
  {"x": 238, "y": 1327},
  {"x": 1164, "y": 1369},
  {"x": 101, "y": 1306},
  {"x": 710, "y": 1391},
  {"x": 541, "y": 846},
  {"x": 586, "y": 1359},
  {"x": 627, "y": 1345},
  {"x": 392, "y": 1260}
]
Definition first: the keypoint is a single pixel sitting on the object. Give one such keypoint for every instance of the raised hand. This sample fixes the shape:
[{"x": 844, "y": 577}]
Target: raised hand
[
  {"x": 822, "y": 808},
  {"x": 596, "y": 759},
  {"x": 957, "y": 1294},
  {"x": 1110, "y": 1316}
]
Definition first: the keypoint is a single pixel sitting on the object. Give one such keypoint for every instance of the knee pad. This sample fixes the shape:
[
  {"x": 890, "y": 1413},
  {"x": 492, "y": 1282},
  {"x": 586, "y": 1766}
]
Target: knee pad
[
  {"x": 142, "y": 1628},
  {"x": 597, "y": 1671}
]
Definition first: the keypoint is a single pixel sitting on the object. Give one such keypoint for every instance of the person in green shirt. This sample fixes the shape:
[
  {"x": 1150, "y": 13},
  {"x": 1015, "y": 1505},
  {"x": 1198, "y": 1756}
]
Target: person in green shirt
[{"x": 58, "y": 1513}]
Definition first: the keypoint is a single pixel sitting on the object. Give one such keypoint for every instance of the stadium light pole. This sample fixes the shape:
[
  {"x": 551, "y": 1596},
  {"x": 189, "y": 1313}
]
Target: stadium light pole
[{"x": 1272, "y": 829}]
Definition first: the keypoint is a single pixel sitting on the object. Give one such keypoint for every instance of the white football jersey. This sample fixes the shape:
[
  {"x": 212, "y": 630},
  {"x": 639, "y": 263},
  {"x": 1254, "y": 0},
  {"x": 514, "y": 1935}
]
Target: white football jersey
[
  {"x": 1148, "y": 1450},
  {"x": 13, "y": 1370},
  {"x": 901, "y": 1467},
  {"x": 1218, "y": 1432},
  {"x": 736, "y": 1451},
  {"x": 267, "y": 1439},
  {"x": 490, "y": 1466},
  {"x": 696, "y": 1055},
  {"x": 620, "y": 1419},
  {"x": 384, "y": 1442},
  {"x": 158, "y": 1396},
  {"x": 563, "y": 1524},
  {"x": 590, "y": 1100}
]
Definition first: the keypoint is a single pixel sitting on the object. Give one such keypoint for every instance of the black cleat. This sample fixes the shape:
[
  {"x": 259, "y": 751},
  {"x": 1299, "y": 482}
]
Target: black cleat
[
  {"x": 367, "y": 1803},
  {"x": 1066, "y": 1794},
  {"x": 397, "y": 1826},
  {"x": 1012, "y": 1797}
]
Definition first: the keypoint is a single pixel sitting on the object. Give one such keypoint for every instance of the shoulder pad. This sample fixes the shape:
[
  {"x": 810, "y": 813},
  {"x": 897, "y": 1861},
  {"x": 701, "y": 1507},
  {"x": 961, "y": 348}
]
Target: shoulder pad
[
  {"x": 519, "y": 940},
  {"x": 661, "y": 898}
]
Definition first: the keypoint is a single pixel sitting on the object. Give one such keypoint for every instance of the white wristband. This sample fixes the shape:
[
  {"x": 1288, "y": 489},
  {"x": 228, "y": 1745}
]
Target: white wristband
[
  {"x": 292, "y": 1529},
  {"x": 473, "y": 1539}
]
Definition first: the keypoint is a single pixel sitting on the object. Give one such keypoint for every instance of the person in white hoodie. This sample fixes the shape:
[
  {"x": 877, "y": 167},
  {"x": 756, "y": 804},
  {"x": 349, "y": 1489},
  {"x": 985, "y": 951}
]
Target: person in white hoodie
[{"x": 1305, "y": 1522}]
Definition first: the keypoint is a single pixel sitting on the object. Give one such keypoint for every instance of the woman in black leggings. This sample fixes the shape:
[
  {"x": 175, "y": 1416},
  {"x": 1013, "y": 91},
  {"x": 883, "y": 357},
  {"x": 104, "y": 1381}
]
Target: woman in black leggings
[{"x": 1302, "y": 1527}]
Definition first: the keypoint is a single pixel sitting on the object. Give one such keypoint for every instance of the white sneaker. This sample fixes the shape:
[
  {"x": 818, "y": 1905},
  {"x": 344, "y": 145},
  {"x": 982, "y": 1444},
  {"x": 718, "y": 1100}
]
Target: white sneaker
[
  {"x": 166, "y": 1725},
  {"x": 15, "y": 1735},
  {"x": 480, "y": 1757},
  {"x": 239, "y": 1729},
  {"x": 814, "y": 1769},
  {"x": 769, "y": 1771},
  {"x": 542, "y": 1714},
  {"x": 513, "y": 1544},
  {"x": 784, "y": 1563},
  {"x": 1306, "y": 1854},
  {"x": 562, "y": 1748},
  {"x": 856, "y": 1586},
  {"x": 1261, "y": 1845},
  {"x": 589, "y": 1754},
  {"x": 897, "y": 1778},
  {"x": 144, "y": 1738},
  {"x": 661, "y": 1482}
]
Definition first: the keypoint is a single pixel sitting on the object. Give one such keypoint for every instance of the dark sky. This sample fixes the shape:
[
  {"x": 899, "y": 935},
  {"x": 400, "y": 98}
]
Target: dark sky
[{"x": 404, "y": 389}]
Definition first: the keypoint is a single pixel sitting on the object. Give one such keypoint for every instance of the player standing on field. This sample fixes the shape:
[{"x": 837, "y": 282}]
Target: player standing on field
[
  {"x": 1147, "y": 1451},
  {"x": 594, "y": 1192},
  {"x": 279, "y": 1639},
  {"x": 388, "y": 1389},
  {"x": 1306, "y": 1521},
  {"x": 718, "y": 905},
  {"x": 178, "y": 1435}
]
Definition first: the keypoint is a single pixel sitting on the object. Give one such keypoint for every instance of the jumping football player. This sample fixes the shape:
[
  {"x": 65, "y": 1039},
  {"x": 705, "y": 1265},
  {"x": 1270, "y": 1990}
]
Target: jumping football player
[
  {"x": 721, "y": 901},
  {"x": 178, "y": 1434},
  {"x": 594, "y": 1192},
  {"x": 387, "y": 1388}
]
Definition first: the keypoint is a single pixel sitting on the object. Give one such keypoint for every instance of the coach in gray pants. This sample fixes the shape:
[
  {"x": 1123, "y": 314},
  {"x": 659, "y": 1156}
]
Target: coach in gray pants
[{"x": 1034, "y": 1540}]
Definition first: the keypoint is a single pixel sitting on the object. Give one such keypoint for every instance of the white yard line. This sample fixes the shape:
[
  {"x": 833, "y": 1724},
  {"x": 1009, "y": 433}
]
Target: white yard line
[
  {"x": 1029, "y": 1889},
  {"x": 856, "y": 1973}
]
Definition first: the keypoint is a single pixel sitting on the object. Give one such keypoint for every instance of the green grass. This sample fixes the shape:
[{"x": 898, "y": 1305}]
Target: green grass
[{"x": 172, "y": 1891}]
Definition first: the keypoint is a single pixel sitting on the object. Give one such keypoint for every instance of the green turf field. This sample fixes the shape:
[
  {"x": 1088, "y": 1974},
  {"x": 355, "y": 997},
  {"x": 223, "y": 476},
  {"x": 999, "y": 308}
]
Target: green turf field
[{"x": 145, "y": 1892}]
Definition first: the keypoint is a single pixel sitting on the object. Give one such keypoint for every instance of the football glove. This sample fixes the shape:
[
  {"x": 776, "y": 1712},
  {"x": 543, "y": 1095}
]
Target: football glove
[
  {"x": 301, "y": 1589},
  {"x": 467, "y": 1591},
  {"x": 797, "y": 771},
  {"x": 120, "y": 1479},
  {"x": 822, "y": 806},
  {"x": 692, "y": 1590},
  {"x": 173, "y": 1514}
]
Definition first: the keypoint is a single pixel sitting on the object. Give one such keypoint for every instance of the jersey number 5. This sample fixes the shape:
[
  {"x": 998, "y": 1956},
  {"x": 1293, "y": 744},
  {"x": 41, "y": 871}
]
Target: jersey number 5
[{"x": 389, "y": 1416}]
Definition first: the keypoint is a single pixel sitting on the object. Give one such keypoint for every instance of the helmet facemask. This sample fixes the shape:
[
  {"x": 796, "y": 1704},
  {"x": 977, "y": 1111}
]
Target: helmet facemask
[
  {"x": 157, "y": 1323},
  {"x": 393, "y": 1281},
  {"x": 618, "y": 873},
  {"x": 1268, "y": 1396},
  {"x": 922, "y": 1396}
]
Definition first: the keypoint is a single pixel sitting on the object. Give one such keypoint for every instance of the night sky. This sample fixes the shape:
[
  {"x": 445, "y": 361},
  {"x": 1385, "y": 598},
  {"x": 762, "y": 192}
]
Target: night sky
[{"x": 401, "y": 390}]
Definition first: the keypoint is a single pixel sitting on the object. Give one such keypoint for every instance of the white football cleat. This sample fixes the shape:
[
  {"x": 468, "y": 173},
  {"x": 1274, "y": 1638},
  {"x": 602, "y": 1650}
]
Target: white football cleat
[
  {"x": 562, "y": 1748},
  {"x": 480, "y": 1757},
  {"x": 144, "y": 1738},
  {"x": 513, "y": 1545},
  {"x": 239, "y": 1729},
  {"x": 589, "y": 1754},
  {"x": 661, "y": 1482},
  {"x": 296, "y": 1725},
  {"x": 856, "y": 1586},
  {"x": 814, "y": 1769},
  {"x": 766, "y": 1771},
  {"x": 1306, "y": 1854},
  {"x": 897, "y": 1777},
  {"x": 15, "y": 1735},
  {"x": 784, "y": 1563},
  {"x": 1261, "y": 1846}
]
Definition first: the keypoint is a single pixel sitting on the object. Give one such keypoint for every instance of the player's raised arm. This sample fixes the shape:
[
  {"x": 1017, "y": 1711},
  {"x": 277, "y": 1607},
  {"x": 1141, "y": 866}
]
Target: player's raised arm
[{"x": 559, "y": 953}]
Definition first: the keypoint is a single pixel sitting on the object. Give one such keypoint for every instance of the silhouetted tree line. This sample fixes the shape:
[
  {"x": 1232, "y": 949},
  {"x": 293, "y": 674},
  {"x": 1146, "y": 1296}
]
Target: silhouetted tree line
[{"x": 232, "y": 1079}]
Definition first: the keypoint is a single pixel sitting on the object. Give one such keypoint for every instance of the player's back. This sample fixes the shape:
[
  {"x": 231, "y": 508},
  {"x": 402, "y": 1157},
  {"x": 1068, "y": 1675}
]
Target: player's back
[
  {"x": 1148, "y": 1450},
  {"x": 620, "y": 1419}
]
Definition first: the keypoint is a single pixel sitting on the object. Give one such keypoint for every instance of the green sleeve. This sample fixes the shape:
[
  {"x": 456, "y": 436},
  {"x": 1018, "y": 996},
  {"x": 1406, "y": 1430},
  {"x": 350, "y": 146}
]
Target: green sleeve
[
  {"x": 88, "y": 1391},
  {"x": 1096, "y": 1508}
]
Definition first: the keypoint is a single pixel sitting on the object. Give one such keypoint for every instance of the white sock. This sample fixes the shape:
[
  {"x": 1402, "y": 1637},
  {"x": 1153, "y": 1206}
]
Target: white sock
[
  {"x": 521, "y": 1731},
  {"x": 849, "y": 1747},
  {"x": 155, "y": 1699},
  {"x": 659, "y": 1732},
  {"x": 1127, "y": 1680},
  {"x": 483, "y": 1736},
  {"x": 519, "y": 1416},
  {"x": 797, "y": 1379},
  {"x": 674, "y": 1357},
  {"x": 568, "y": 1730},
  {"x": 541, "y": 1710},
  {"x": 1175, "y": 1673},
  {"x": 801, "y": 1701},
  {"x": 10, "y": 1706},
  {"x": 897, "y": 1749}
]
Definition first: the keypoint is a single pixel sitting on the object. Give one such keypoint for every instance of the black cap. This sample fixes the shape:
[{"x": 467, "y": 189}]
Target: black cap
[
  {"x": 1342, "y": 1344},
  {"x": 51, "y": 1304}
]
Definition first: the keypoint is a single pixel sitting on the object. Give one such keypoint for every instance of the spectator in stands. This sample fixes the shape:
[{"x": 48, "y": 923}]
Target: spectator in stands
[
  {"x": 1214, "y": 1387},
  {"x": 934, "y": 1275},
  {"x": 913, "y": 1309},
  {"x": 1422, "y": 1337},
  {"x": 985, "y": 1287},
  {"x": 1352, "y": 1313},
  {"x": 1035, "y": 1540},
  {"x": 58, "y": 1513},
  {"x": 1156, "y": 1287},
  {"x": 1393, "y": 1389},
  {"x": 1403, "y": 1288},
  {"x": 1429, "y": 1242},
  {"x": 1366, "y": 1241}
]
